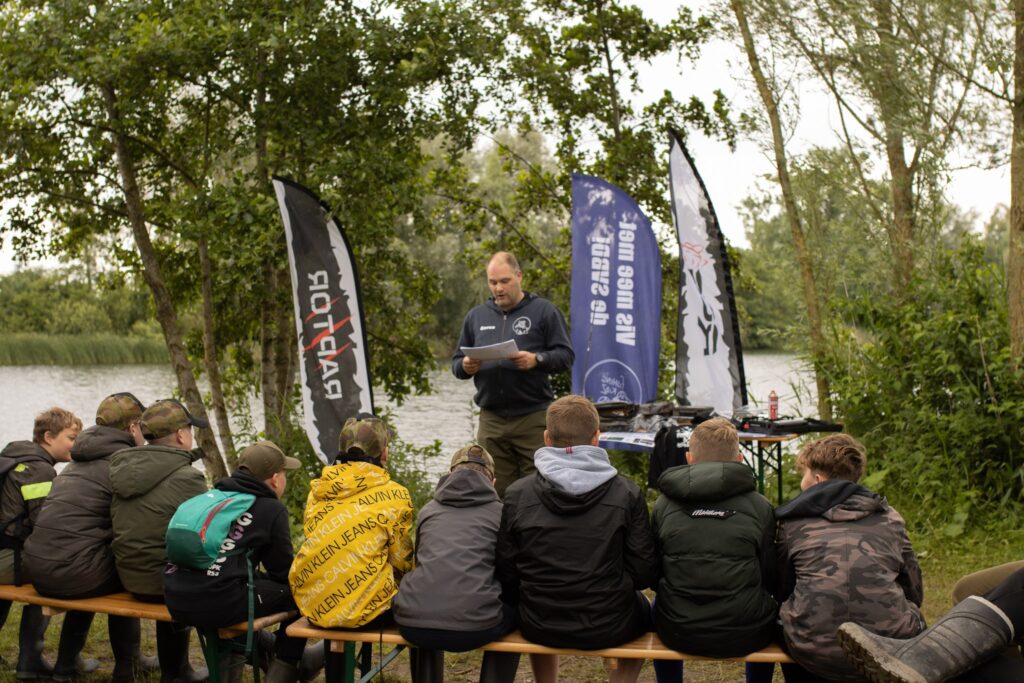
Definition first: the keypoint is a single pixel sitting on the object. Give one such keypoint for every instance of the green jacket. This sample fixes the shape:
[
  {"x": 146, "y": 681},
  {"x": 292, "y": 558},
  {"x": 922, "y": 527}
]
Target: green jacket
[
  {"x": 149, "y": 483},
  {"x": 715, "y": 539}
]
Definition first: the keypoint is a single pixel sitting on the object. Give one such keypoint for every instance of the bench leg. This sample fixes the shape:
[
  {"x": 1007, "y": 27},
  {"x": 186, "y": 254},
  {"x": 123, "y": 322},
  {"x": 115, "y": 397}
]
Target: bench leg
[{"x": 340, "y": 667}]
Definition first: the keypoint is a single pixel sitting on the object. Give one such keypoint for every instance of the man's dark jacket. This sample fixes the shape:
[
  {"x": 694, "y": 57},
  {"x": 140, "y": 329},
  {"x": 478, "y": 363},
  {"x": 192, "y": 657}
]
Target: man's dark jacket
[
  {"x": 220, "y": 598},
  {"x": 68, "y": 554},
  {"x": 579, "y": 561},
  {"x": 536, "y": 325},
  {"x": 715, "y": 537}
]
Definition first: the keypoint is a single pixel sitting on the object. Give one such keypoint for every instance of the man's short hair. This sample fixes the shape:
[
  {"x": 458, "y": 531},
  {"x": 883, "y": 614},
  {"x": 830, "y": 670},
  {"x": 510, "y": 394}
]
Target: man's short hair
[
  {"x": 53, "y": 420},
  {"x": 837, "y": 456},
  {"x": 572, "y": 421},
  {"x": 509, "y": 258},
  {"x": 714, "y": 440}
]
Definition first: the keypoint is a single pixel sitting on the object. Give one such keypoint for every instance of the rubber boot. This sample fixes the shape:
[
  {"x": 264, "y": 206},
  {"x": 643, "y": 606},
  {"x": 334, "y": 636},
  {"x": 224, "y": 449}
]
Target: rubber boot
[
  {"x": 963, "y": 638},
  {"x": 499, "y": 667},
  {"x": 232, "y": 665},
  {"x": 281, "y": 671},
  {"x": 172, "y": 649},
  {"x": 426, "y": 666},
  {"x": 312, "y": 662},
  {"x": 73, "y": 635},
  {"x": 30, "y": 644},
  {"x": 125, "y": 635}
]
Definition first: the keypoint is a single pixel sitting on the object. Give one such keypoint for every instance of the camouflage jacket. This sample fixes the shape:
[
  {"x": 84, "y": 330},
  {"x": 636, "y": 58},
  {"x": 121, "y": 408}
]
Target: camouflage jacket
[{"x": 844, "y": 555}]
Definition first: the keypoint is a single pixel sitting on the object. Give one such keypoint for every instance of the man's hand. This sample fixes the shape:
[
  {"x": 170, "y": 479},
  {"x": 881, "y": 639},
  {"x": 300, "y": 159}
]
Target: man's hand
[
  {"x": 470, "y": 365},
  {"x": 524, "y": 360}
]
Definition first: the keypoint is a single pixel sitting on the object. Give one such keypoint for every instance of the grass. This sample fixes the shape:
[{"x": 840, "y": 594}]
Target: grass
[
  {"x": 96, "y": 349},
  {"x": 942, "y": 561}
]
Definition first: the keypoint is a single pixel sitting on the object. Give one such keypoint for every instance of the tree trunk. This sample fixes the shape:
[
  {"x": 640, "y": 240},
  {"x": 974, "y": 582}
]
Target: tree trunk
[
  {"x": 792, "y": 213},
  {"x": 210, "y": 358},
  {"x": 1015, "y": 267},
  {"x": 268, "y": 384},
  {"x": 901, "y": 183},
  {"x": 153, "y": 275},
  {"x": 285, "y": 348}
]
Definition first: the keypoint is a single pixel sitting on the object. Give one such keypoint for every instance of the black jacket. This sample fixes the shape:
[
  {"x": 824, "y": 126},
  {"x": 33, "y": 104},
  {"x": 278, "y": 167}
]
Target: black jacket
[
  {"x": 579, "y": 561},
  {"x": 537, "y": 326},
  {"x": 715, "y": 537},
  {"x": 68, "y": 554},
  {"x": 24, "y": 490},
  {"x": 213, "y": 599}
]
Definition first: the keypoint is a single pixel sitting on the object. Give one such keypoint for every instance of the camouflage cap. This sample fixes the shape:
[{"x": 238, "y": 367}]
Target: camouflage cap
[
  {"x": 264, "y": 459},
  {"x": 473, "y": 453},
  {"x": 119, "y": 411},
  {"x": 166, "y": 417},
  {"x": 364, "y": 435}
]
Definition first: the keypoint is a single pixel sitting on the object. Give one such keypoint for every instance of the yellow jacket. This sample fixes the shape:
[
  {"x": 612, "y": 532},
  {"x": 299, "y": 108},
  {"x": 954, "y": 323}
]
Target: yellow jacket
[{"x": 357, "y": 547}]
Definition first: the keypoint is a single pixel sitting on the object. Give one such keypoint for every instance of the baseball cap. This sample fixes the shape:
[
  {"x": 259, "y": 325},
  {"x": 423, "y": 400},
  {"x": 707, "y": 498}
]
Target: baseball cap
[
  {"x": 474, "y": 453},
  {"x": 165, "y": 417},
  {"x": 119, "y": 411},
  {"x": 264, "y": 459},
  {"x": 365, "y": 435}
]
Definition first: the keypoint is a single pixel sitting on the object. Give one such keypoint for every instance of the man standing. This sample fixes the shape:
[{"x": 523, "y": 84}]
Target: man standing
[{"x": 513, "y": 393}]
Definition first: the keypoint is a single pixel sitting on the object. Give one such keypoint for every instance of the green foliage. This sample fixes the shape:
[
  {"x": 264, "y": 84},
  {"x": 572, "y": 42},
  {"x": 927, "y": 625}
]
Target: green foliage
[
  {"x": 80, "y": 349},
  {"x": 927, "y": 382}
]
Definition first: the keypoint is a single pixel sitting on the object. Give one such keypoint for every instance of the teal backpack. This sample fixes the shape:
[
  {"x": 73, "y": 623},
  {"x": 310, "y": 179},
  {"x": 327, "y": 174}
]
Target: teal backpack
[
  {"x": 201, "y": 525},
  {"x": 195, "y": 535}
]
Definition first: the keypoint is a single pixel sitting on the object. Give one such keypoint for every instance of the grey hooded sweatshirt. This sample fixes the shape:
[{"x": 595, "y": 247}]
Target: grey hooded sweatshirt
[{"x": 453, "y": 587}]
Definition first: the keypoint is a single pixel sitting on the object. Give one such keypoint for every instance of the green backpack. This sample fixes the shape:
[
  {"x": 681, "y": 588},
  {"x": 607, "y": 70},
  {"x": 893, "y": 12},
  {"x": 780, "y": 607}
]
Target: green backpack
[{"x": 200, "y": 527}]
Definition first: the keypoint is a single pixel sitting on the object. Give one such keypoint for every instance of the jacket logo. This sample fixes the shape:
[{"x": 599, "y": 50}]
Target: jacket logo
[
  {"x": 487, "y": 327},
  {"x": 521, "y": 325},
  {"x": 711, "y": 512}
]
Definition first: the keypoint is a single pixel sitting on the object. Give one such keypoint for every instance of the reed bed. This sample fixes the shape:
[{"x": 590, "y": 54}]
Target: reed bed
[{"x": 93, "y": 349}]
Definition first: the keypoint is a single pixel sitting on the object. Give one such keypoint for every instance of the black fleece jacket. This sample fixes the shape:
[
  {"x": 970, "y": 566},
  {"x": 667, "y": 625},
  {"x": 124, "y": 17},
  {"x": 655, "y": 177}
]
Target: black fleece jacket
[{"x": 536, "y": 326}]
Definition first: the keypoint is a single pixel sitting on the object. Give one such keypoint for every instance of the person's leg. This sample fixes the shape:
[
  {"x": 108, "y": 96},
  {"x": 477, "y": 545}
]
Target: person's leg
[
  {"x": 760, "y": 672},
  {"x": 172, "y": 642},
  {"x": 525, "y": 436},
  {"x": 545, "y": 668},
  {"x": 73, "y": 635},
  {"x": 426, "y": 666},
  {"x": 5, "y": 609},
  {"x": 30, "y": 644},
  {"x": 491, "y": 435},
  {"x": 499, "y": 667},
  {"x": 1009, "y": 597},
  {"x": 983, "y": 581},
  {"x": 794, "y": 673},
  {"x": 125, "y": 636}
]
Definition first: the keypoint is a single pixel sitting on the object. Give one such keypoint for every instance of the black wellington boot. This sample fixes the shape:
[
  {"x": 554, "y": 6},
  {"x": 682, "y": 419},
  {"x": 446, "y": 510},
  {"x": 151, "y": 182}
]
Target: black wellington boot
[
  {"x": 30, "y": 644},
  {"x": 965, "y": 637},
  {"x": 73, "y": 635}
]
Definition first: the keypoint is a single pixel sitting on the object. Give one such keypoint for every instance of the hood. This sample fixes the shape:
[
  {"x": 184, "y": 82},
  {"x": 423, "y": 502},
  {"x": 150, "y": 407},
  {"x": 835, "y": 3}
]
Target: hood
[
  {"x": 26, "y": 449},
  {"x": 707, "y": 481},
  {"x": 575, "y": 470},
  {"x": 837, "y": 500},
  {"x": 137, "y": 471},
  {"x": 465, "y": 488},
  {"x": 243, "y": 482},
  {"x": 562, "y": 502},
  {"x": 98, "y": 442},
  {"x": 347, "y": 479},
  {"x": 526, "y": 299}
]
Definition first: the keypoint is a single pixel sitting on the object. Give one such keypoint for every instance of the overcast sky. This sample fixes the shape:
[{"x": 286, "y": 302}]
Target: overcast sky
[{"x": 731, "y": 176}]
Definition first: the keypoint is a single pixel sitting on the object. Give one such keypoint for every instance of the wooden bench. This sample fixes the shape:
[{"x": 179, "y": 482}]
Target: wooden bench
[
  {"x": 647, "y": 646},
  {"x": 125, "y": 605}
]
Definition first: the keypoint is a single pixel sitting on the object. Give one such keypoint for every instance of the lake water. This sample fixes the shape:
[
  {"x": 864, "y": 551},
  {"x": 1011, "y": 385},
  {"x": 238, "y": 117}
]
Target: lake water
[{"x": 448, "y": 415}]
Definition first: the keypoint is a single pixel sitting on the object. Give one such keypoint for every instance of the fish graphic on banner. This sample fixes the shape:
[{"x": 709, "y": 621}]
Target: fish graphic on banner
[
  {"x": 616, "y": 295},
  {"x": 709, "y": 359},
  {"x": 329, "y": 319}
]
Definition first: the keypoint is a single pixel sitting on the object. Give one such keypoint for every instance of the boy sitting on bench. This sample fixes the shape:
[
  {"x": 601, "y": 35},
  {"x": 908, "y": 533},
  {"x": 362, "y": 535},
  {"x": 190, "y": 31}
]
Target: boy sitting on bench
[
  {"x": 576, "y": 538},
  {"x": 452, "y": 599}
]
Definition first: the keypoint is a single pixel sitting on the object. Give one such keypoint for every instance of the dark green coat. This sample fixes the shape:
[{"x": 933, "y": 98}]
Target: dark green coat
[
  {"x": 715, "y": 538},
  {"x": 149, "y": 483}
]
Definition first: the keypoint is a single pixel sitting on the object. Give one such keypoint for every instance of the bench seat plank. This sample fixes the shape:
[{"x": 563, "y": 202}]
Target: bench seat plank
[
  {"x": 122, "y": 605},
  {"x": 647, "y": 646}
]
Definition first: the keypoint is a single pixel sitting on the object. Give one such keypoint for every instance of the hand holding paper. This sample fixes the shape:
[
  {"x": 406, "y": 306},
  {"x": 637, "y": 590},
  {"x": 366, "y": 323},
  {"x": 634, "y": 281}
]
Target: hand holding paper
[{"x": 491, "y": 352}]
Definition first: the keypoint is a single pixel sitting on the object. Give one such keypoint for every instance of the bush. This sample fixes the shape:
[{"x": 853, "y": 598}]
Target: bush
[{"x": 928, "y": 384}]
